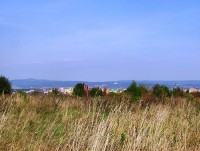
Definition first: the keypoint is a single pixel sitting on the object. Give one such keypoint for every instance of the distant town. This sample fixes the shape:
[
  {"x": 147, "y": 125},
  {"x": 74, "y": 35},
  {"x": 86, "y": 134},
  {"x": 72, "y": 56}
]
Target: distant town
[{"x": 66, "y": 87}]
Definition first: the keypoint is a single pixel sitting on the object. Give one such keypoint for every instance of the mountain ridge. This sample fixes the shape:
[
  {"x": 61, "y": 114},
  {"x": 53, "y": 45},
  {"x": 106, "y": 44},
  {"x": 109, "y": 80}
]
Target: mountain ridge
[{"x": 120, "y": 84}]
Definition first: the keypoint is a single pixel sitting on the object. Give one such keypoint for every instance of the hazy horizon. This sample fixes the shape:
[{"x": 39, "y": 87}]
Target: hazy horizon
[
  {"x": 100, "y": 40},
  {"x": 104, "y": 81}
]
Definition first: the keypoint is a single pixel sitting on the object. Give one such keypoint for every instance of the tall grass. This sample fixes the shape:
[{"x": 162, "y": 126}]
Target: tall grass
[{"x": 64, "y": 123}]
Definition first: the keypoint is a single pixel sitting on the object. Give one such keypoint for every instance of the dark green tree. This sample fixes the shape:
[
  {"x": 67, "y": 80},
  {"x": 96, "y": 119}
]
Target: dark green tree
[
  {"x": 79, "y": 90},
  {"x": 176, "y": 92},
  {"x": 55, "y": 91},
  {"x": 134, "y": 91},
  {"x": 143, "y": 89},
  {"x": 95, "y": 92},
  {"x": 161, "y": 91},
  {"x": 5, "y": 85}
]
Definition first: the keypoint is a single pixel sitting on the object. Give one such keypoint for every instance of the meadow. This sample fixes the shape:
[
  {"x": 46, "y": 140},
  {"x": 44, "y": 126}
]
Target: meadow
[{"x": 58, "y": 123}]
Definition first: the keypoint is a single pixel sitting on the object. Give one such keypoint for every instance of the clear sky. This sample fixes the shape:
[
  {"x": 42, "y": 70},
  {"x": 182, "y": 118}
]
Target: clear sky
[{"x": 100, "y": 40}]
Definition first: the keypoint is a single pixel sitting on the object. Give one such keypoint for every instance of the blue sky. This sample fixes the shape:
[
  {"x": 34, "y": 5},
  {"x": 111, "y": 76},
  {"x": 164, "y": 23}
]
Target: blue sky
[{"x": 100, "y": 40}]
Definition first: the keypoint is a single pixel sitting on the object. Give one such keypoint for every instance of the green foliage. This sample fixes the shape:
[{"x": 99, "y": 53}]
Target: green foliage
[
  {"x": 177, "y": 92},
  {"x": 143, "y": 89},
  {"x": 135, "y": 91},
  {"x": 5, "y": 85},
  {"x": 58, "y": 131},
  {"x": 122, "y": 139},
  {"x": 95, "y": 92},
  {"x": 190, "y": 97},
  {"x": 161, "y": 91},
  {"x": 55, "y": 91},
  {"x": 79, "y": 90}
]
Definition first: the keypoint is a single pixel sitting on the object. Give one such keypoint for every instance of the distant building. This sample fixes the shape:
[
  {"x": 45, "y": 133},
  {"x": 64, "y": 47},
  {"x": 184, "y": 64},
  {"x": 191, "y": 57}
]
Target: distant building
[
  {"x": 46, "y": 91},
  {"x": 107, "y": 91},
  {"x": 29, "y": 92},
  {"x": 62, "y": 90},
  {"x": 69, "y": 91},
  {"x": 191, "y": 90}
]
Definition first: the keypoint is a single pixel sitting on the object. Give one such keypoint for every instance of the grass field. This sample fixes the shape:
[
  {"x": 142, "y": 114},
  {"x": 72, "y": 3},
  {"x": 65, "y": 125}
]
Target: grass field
[{"x": 63, "y": 123}]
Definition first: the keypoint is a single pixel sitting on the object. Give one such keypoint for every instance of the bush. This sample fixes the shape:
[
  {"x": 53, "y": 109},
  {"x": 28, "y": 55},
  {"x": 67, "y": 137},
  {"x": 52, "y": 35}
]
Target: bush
[
  {"x": 5, "y": 86},
  {"x": 79, "y": 90},
  {"x": 149, "y": 98},
  {"x": 196, "y": 94},
  {"x": 143, "y": 89},
  {"x": 177, "y": 92},
  {"x": 161, "y": 91},
  {"x": 95, "y": 92},
  {"x": 134, "y": 91},
  {"x": 190, "y": 97},
  {"x": 55, "y": 91}
]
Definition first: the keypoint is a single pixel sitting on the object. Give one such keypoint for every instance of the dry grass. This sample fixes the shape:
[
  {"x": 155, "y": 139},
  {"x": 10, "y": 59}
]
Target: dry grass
[{"x": 63, "y": 123}]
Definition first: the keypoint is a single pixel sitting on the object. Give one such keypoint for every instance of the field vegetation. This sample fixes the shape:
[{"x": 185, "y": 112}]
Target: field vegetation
[
  {"x": 113, "y": 122},
  {"x": 136, "y": 119}
]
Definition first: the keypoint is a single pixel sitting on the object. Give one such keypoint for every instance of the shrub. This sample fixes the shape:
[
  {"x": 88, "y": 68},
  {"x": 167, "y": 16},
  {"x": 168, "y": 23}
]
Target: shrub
[
  {"x": 143, "y": 89},
  {"x": 55, "y": 91},
  {"x": 196, "y": 94},
  {"x": 190, "y": 97},
  {"x": 177, "y": 92},
  {"x": 149, "y": 98},
  {"x": 134, "y": 91},
  {"x": 161, "y": 91},
  {"x": 79, "y": 90},
  {"x": 95, "y": 92},
  {"x": 5, "y": 85}
]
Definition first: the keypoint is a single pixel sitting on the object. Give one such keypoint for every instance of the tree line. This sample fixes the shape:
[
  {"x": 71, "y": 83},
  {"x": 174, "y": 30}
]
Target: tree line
[
  {"x": 135, "y": 91},
  {"x": 140, "y": 92}
]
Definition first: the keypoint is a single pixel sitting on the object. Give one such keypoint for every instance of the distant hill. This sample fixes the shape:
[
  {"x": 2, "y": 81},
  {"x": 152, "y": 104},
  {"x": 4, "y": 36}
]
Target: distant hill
[{"x": 42, "y": 84}]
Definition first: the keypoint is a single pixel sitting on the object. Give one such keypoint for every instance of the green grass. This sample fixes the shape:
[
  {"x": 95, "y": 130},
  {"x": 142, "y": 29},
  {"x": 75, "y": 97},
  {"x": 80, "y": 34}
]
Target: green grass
[{"x": 64, "y": 123}]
